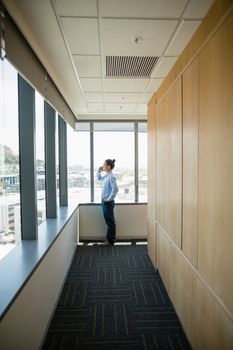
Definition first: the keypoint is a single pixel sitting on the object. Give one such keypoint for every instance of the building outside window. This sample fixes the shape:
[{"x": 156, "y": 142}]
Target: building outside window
[
  {"x": 40, "y": 158},
  {"x": 10, "y": 230},
  {"x": 78, "y": 161}
]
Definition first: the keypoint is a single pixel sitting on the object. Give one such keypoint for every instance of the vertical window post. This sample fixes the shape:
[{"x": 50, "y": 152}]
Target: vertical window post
[
  {"x": 28, "y": 179},
  {"x": 62, "y": 161},
  {"x": 92, "y": 160},
  {"x": 136, "y": 159},
  {"x": 50, "y": 161}
]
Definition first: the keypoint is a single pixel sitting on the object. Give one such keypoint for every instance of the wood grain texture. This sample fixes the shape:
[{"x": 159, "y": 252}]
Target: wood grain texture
[
  {"x": 151, "y": 204},
  {"x": 169, "y": 158},
  {"x": 190, "y": 161},
  {"x": 199, "y": 281},
  {"x": 206, "y": 324},
  {"x": 164, "y": 259},
  {"x": 214, "y": 328},
  {"x": 184, "y": 294},
  {"x": 215, "y": 233}
]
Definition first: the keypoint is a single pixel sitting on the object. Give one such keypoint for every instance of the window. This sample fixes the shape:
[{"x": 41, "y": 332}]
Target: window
[
  {"x": 78, "y": 161},
  {"x": 142, "y": 162},
  {"x": 40, "y": 158},
  {"x": 117, "y": 144},
  {"x": 10, "y": 230},
  {"x": 111, "y": 140}
]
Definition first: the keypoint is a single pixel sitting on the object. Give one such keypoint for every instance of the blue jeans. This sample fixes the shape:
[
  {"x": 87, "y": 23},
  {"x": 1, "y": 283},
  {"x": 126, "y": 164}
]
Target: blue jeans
[{"x": 108, "y": 211}]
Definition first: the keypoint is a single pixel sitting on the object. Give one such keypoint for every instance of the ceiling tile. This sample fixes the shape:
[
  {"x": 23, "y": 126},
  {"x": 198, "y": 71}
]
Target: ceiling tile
[
  {"x": 182, "y": 37},
  {"x": 94, "y": 96},
  {"x": 121, "y": 97},
  {"x": 154, "y": 85},
  {"x": 146, "y": 97},
  {"x": 163, "y": 67},
  {"x": 125, "y": 85},
  {"x": 118, "y": 34},
  {"x": 142, "y": 9},
  {"x": 70, "y": 85},
  {"x": 95, "y": 107},
  {"x": 88, "y": 66},
  {"x": 124, "y": 107},
  {"x": 142, "y": 108},
  {"x": 76, "y": 7},
  {"x": 91, "y": 84},
  {"x": 82, "y": 35},
  {"x": 198, "y": 9}
]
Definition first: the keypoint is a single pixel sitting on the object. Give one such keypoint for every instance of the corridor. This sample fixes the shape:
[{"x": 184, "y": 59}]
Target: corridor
[{"x": 114, "y": 299}]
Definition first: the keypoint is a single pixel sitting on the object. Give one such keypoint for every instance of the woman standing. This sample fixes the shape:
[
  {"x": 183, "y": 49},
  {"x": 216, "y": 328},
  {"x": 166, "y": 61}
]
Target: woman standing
[{"x": 109, "y": 191}]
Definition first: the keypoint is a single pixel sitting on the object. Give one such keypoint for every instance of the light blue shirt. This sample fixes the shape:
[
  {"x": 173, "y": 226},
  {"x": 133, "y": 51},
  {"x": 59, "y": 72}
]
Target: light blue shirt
[{"x": 109, "y": 185}]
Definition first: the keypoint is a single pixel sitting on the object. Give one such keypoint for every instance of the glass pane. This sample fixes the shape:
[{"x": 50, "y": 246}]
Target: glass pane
[
  {"x": 40, "y": 158},
  {"x": 10, "y": 229},
  {"x": 82, "y": 126},
  {"x": 113, "y": 126},
  {"x": 78, "y": 160},
  {"x": 120, "y": 146},
  {"x": 142, "y": 127},
  {"x": 142, "y": 163}
]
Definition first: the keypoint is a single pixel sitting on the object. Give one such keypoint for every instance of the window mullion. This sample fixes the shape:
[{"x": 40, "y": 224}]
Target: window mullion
[
  {"x": 28, "y": 179},
  {"x": 50, "y": 161},
  {"x": 92, "y": 160},
  {"x": 136, "y": 159},
  {"x": 62, "y": 141}
]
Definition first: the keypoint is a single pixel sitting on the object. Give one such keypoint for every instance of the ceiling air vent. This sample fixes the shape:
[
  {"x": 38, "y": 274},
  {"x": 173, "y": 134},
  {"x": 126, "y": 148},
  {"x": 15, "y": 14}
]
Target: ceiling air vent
[{"x": 130, "y": 66}]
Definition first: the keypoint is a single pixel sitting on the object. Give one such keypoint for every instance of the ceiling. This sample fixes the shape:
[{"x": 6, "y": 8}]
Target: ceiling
[{"x": 73, "y": 37}]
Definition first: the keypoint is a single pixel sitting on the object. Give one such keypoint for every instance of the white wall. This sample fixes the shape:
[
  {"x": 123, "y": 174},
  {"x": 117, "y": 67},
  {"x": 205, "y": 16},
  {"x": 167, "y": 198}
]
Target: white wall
[
  {"x": 131, "y": 221},
  {"x": 26, "y": 321}
]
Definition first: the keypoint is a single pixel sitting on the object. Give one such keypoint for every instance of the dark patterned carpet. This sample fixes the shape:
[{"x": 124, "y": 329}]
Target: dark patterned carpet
[{"x": 114, "y": 299}]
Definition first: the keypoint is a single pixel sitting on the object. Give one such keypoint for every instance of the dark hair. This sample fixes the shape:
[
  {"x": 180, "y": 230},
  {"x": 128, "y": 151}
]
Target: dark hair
[{"x": 110, "y": 162}]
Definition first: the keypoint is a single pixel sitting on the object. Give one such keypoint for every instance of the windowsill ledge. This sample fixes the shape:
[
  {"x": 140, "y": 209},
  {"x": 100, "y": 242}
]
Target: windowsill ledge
[{"x": 17, "y": 267}]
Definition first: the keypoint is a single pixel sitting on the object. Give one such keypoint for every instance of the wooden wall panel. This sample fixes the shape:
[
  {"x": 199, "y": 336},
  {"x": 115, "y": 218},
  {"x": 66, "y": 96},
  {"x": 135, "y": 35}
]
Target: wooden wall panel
[
  {"x": 190, "y": 161},
  {"x": 214, "y": 327},
  {"x": 206, "y": 324},
  {"x": 163, "y": 164},
  {"x": 198, "y": 273},
  {"x": 169, "y": 158},
  {"x": 184, "y": 294},
  {"x": 151, "y": 203},
  {"x": 164, "y": 258},
  {"x": 215, "y": 226}
]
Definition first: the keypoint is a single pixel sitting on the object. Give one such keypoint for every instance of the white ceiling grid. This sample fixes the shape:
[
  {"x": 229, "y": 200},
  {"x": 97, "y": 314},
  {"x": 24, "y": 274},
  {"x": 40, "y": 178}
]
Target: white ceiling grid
[
  {"x": 84, "y": 32},
  {"x": 97, "y": 28}
]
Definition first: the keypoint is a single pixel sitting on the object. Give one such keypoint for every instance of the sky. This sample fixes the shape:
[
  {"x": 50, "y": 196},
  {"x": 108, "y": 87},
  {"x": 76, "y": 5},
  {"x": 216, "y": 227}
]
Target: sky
[{"x": 8, "y": 106}]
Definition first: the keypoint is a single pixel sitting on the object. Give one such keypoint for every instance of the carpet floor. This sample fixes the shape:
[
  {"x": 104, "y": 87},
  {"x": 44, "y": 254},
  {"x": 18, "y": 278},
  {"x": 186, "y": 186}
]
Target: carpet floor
[{"x": 114, "y": 299}]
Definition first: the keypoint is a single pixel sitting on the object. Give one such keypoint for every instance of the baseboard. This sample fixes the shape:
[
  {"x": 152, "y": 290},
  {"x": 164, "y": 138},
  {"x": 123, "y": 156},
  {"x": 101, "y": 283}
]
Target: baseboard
[{"x": 101, "y": 238}]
